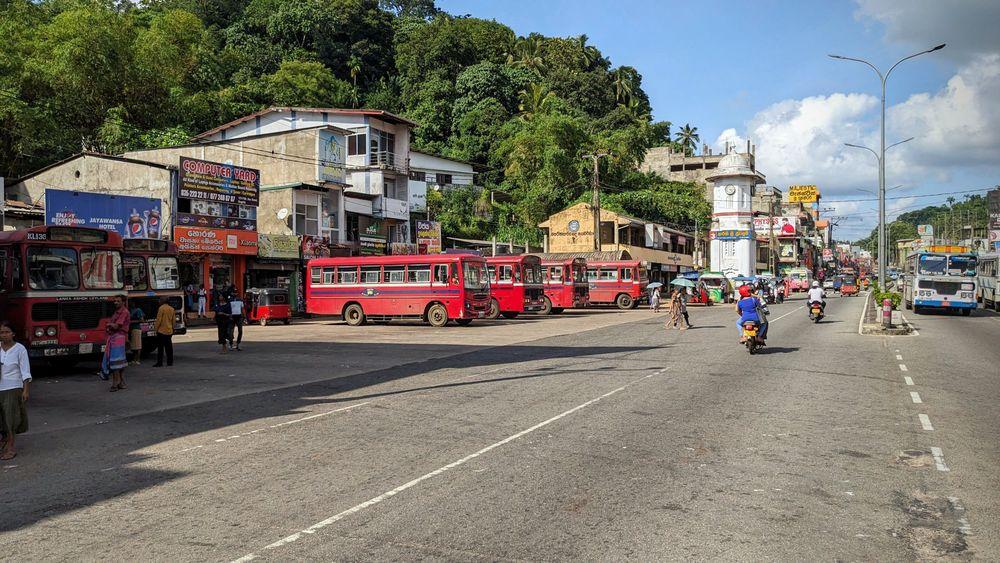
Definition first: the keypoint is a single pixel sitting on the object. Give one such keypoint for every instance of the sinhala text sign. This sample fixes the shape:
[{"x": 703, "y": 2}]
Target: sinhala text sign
[
  {"x": 214, "y": 181},
  {"x": 215, "y": 241},
  {"x": 802, "y": 194},
  {"x": 429, "y": 237}
]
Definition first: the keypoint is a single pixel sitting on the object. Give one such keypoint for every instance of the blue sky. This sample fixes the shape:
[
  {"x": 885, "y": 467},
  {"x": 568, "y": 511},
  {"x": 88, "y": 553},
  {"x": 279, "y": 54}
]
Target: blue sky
[{"x": 753, "y": 67}]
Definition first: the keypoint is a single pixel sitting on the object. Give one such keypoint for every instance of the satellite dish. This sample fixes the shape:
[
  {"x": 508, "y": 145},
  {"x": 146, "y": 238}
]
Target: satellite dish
[{"x": 282, "y": 213}]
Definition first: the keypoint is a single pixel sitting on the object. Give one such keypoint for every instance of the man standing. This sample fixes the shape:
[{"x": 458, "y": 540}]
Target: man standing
[
  {"x": 164, "y": 327},
  {"x": 236, "y": 324}
]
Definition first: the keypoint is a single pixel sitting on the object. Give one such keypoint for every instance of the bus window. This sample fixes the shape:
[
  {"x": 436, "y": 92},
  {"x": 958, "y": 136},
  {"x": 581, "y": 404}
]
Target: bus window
[
  {"x": 626, "y": 274},
  {"x": 531, "y": 274},
  {"x": 418, "y": 273},
  {"x": 475, "y": 276},
  {"x": 961, "y": 265},
  {"x": 492, "y": 271},
  {"x": 135, "y": 272},
  {"x": 370, "y": 274},
  {"x": 606, "y": 274},
  {"x": 933, "y": 265},
  {"x": 504, "y": 273},
  {"x": 394, "y": 274},
  {"x": 328, "y": 274},
  {"x": 52, "y": 268},
  {"x": 591, "y": 274},
  {"x": 102, "y": 269},
  {"x": 441, "y": 273},
  {"x": 316, "y": 275},
  {"x": 347, "y": 274},
  {"x": 556, "y": 274},
  {"x": 164, "y": 272}
]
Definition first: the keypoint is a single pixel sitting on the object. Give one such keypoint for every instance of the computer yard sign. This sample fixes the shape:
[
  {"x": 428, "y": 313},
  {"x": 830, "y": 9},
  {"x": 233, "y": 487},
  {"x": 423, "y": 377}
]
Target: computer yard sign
[{"x": 802, "y": 194}]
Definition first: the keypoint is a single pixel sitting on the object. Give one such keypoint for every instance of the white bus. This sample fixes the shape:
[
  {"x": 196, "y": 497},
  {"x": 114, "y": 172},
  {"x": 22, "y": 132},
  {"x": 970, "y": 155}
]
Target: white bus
[
  {"x": 940, "y": 279},
  {"x": 989, "y": 280}
]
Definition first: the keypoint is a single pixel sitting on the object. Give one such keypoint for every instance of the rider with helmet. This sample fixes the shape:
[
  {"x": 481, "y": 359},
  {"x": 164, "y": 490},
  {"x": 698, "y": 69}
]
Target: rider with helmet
[
  {"x": 816, "y": 295},
  {"x": 751, "y": 309}
]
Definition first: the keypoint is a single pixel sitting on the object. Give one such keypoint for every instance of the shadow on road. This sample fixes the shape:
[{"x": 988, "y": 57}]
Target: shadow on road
[{"x": 777, "y": 350}]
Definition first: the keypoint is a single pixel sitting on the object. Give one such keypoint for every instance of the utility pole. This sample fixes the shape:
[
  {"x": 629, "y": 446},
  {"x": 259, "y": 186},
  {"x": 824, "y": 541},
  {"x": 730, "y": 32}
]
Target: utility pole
[
  {"x": 772, "y": 242},
  {"x": 595, "y": 202}
]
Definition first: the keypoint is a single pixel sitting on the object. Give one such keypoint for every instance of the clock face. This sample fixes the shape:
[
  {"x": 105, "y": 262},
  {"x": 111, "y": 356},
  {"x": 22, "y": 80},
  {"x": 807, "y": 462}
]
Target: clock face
[
  {"x": 730, "y": 190},
  {"x": 573, "y": 226}
]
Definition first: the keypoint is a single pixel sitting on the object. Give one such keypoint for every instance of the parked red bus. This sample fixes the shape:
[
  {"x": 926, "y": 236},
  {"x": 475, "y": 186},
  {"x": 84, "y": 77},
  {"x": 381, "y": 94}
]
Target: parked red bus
[
  {"x": 434, "y": 287},
  {"x": 515, "y": 285},
  {"x": 58, "y": 282},
  {"x": 565, "y": 284},
  {"x": 150, "y": 267},
  {"x": 619, "y": 282}
]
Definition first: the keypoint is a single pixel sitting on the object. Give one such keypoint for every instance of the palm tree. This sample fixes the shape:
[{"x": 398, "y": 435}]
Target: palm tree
[
  {"x": 535, "y": 99},
  {"x": 688, "y": 137},
  {"x": 527, "y": 52},
  {"x": 588, "y": 53},
  {"x": 634, "y": 109},
  {"x": 625, "y": 79},
  {"x": 354, "y": 67}
]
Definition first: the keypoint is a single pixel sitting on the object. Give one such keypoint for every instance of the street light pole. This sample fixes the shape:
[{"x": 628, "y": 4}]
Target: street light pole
[
  {"x": 883, "y": 78},
  {"x": 596, "y": 196}
]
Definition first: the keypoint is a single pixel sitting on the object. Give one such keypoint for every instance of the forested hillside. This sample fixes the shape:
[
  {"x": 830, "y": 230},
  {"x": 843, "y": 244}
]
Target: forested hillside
[
  {"x": 114, "y": 76},
  {"x": 949, "y": 221}
]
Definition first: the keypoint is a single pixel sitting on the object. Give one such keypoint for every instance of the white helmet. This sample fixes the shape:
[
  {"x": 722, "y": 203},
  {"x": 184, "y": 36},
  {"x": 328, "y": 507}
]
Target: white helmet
[{"x": 815, "y": 284}]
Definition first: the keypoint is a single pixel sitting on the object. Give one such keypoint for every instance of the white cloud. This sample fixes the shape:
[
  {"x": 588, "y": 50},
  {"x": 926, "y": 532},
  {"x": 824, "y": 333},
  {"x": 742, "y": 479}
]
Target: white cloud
[
  {"x": 729, "y": 137},
  {"x": 969, "y": 27}
]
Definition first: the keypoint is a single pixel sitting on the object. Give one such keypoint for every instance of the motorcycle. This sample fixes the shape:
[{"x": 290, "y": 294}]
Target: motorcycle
[
  {"x": 815, "y": 311},
  {"x": 750, "y": 330}
]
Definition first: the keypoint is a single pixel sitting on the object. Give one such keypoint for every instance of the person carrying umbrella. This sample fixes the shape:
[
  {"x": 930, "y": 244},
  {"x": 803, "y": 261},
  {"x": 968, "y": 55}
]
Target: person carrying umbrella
[{"x": 654, "y": 296}]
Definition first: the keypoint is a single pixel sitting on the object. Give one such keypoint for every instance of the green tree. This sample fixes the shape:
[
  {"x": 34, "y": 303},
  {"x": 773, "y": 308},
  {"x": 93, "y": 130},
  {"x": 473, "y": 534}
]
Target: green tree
[
  {"x": 688, "y": 138},
  {"x": 310, "y": 84}
]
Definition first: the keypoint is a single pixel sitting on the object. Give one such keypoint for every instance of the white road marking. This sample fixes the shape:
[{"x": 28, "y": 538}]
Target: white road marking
[
  {"x": 310, "y": 417},
  {"x": 786, "y": 314},
  {"x": 907, "y": 379},
  {"x": 902, "y": 367},
  {"x": 939, "y": 459},
  {"x": 925, "y": 422},
  {"x": 410, "y": 484},
  {"x": 899, "y": 357},
  {"x": 915, "y": 397}
]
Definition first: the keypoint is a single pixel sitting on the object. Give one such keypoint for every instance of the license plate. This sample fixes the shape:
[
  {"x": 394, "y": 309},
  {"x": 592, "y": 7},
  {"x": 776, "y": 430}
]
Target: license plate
[
  {"x": 150, "y": 333},
  {"x": 750, "y": 332},
  {"x": 816, "y": 311},
  {"x": 86, "y": 348}
]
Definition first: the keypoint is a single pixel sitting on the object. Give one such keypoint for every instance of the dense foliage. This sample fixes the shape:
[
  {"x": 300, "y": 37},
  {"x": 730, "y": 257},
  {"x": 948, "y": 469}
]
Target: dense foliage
[
  {"x": 949, "y": 222},
  {"x": 118, "y": 75}
]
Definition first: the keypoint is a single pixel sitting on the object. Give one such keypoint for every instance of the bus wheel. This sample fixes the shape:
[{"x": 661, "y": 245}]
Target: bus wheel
[
  {"x": 437, "y": 315},
  {"x": 288, "y": 321},
  {"x": 966, "y": 312},
  {"x": 546, "y": 306},
  {"x": 510, "y": 315},
  {"x": 354, "y": 315},
  {"x": 463, "y": 322},
  {"x": 908, "y": 305},
  {"x": 494, "y": 312},
  {"x": 624, "y": 301},
  {"x": 557, "y": 310}
]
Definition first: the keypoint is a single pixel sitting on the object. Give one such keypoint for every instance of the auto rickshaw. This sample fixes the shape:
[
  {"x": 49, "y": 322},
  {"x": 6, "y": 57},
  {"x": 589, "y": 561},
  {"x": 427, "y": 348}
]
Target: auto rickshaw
[
  {"x": 268, "y": 304},
  {"x": 865, "y": 283},
  {"x": 720, "y": 290},
  {"x": 848, "y": 287},
  {"x": 699, "y": 295}
]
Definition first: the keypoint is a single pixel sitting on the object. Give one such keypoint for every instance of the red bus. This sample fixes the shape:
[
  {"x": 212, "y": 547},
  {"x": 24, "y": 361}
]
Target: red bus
[
  {"x": 58, "y": 282},
  {"x": 565, "y": 284},
  {"x": 150, "y": 267},
  {"x": 515, "y": 285},
  {"x": 432, "y": 287},
  {"x": 619, "y": 282}
]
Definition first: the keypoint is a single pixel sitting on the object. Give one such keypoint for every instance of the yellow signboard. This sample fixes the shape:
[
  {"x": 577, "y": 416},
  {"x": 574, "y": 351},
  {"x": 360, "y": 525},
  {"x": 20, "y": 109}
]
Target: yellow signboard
[{"x": 802, "y": 194}]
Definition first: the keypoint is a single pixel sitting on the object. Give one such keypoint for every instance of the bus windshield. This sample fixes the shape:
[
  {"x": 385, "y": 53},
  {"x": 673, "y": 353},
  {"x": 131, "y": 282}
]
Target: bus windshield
[
  {"x": 579, "y": 274},
  {"x": 532, "y": 273},
  {"x": 52, "y": 268},
  {"x": 135, "y": 273},
  {"x": 164, "y": 272},
  {"x": 102, "y": 269},
  {"x": 962, "y": 265},
  {"x": 475, "y": 275},
  {"x": 933, "y": 264}
]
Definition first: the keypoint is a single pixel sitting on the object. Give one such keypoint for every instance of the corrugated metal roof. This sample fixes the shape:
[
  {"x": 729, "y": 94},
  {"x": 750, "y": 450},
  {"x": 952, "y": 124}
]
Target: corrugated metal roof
[{"x": 603, "y": 256}]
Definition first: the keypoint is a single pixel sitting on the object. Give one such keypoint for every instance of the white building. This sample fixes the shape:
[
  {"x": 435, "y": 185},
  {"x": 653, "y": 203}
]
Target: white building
[
  {"x": 428, "y": 171},
  {"x": 378, "y": 161},
  {"x": 733, "y": 243}
]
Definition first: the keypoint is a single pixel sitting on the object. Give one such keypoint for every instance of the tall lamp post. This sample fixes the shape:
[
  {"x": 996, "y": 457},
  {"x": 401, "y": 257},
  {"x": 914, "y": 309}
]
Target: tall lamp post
[{"x": 881, "y": 157}]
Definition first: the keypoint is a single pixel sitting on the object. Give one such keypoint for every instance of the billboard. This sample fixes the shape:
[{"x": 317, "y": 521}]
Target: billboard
[
  {"x": 786, "y": 226},
  {"x": 802, "y": 194},
  {"x": 429, "y": 237},
  {"x": 215, "y": 241},
  {"x": 371, "y": 241},
  {"x": 278, "y": 246},
  {"x": 214, "y": 215},
  {"x": 925, "y": 230},
  {"x": 330, "y": 166},
  {"x": 129, "y": 216},
  {"x": 217, "y": 182}
]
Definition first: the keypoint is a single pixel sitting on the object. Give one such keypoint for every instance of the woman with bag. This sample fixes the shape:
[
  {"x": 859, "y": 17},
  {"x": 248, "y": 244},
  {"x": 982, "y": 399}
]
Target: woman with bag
[{"x": 15, "y": 376}]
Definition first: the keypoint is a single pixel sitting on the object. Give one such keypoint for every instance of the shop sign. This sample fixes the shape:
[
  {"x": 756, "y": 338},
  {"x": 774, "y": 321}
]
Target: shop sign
[
  {"x": 314, "y": 247},
  {"x": 215, "y": 241},
  {"x": 217, "y": 182},
  {"x": 278, "y": 246},
  {"x": 216, "y": 215},
  {"x": 330, "y": 166},
  {"x": 131, "y": 217},
  {"x": 786, "y": 251},
  {"x": 730, "y": 234},
  {"x": 400, "y": 248},
  {"x": 802, "y": 194},
  {"x": 429, "y": 237}
]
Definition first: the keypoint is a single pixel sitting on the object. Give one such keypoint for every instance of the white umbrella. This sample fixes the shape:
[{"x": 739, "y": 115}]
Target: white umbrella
[
  {"x": 682, "y": 282},
  {"x": 654, "y": 285}
]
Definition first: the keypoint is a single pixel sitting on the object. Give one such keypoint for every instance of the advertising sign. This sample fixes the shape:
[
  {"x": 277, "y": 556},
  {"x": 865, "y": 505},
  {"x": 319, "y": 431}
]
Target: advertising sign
[
  {"x": 782, "y": 226},
  {"x": 993, "y": 201},
  {"x": 314, "y": 247},
  {"x": 219, "y": 216},
  {"x": 925, "y": 230},
  {"x": 786, "y": 252},
  {"x": 401, "y": 248},
  {"x": 371, "y": 241},
  {"x": 802, "y": 194},
  {"x": 730, "y": 234},
  {"x": 131, "y": 217},
  {"x": 429, "y": 237},
  {"x": 330, "y": 167},
  {"x": 278, "y": 246},
  {"x": 215, "y": 241},
  {"x": 217, "y": 182}
]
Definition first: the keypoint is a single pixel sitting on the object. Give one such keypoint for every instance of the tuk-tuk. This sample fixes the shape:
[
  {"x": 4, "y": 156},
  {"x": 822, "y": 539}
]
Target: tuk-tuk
[
  {"x": 699, "y": 295},
  {"x": 718, "y": 286},
  {"x": 268, "y": 304},
  {"x": 848, "y": 287}
]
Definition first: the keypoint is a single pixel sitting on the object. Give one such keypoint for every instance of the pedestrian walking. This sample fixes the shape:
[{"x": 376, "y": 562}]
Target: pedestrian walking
[
  {"x": 136, "y": 320},
  {"x": 223, "y": 316},
  {"x": 164, "y": 327},
  {"x": 236, "y": 323},
  {"x": 682, "y": 297},
  {"x": 15, "y": 377},
  {"x": 202, "y": 301},
  {"x": 189, "y": 295},
  {"x": 654, "y": 299},
  {"x": 674, "y": 310},
  {"x": 114, "y": 361}
]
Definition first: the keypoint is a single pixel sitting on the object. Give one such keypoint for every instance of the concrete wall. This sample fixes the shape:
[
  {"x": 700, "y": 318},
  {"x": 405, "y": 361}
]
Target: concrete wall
[
  {"x": 270, "y": 202},
  {"x": 562, "y": 239}
]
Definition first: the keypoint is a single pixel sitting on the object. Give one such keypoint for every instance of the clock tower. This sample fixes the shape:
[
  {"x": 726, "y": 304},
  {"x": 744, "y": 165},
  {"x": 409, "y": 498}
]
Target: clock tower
[{"x": 733, "y": 246}]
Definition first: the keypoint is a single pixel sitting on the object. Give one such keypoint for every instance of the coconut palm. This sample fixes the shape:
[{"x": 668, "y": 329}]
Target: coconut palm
[
  {"x": 625, "y": 79},
  {"x": 688, "y": 138},
  {"x": 527, "y": 52},
  {"x": 535, "y": 99},
  {"x": 354, "y": 67}
]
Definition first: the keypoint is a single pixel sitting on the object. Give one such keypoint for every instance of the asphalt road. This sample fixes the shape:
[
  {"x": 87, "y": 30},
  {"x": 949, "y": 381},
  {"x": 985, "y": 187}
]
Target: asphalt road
[{"x": 621, "y": 442}]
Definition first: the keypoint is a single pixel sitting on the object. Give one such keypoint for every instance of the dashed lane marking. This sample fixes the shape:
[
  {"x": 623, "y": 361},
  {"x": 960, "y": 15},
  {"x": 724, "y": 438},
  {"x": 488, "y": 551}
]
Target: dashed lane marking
[
  {"x": 410, "y": 484},
  {"x": 902, "y": 367},
  {"x": 915, "y": 397},
  {"x": 907, "y": 379},
  {"x": 925, "y": 422},
  {"x": 939, "y": 459},
  {"x": 899, "y": 356}
]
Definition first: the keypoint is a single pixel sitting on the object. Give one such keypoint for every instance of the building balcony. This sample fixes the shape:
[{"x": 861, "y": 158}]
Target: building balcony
[
  {"x": 389, "y": 208},
  {"x": 386, "y": 160}
]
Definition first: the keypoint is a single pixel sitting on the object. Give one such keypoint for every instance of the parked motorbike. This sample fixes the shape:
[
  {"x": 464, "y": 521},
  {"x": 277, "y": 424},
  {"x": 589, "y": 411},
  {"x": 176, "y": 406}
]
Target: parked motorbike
[
  {"x": 750, "y": 338},
  {"x": 815, "y": 311}
]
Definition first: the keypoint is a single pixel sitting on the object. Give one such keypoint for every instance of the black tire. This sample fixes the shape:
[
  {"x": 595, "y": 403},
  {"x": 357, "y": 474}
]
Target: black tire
[
  {"x": 262, "y": 322},
  {"x": 917, "y": 310},
  {"x": 966, "y": 312},
  {"x": 494, "y": 311},
  {"x": 510, "y": 314},
  {"x": 354, "y": 315},
  {"x": 818, "y": 317},
  {"x": 557, "y": 310},
  {"x": 437, "y": 315},
  {"x": 624, "y": 301},
  {"x": 751, "y": 346},
  {"x": 546, "y": 306},
  {"x": 288, "y": 321},
  {"x": 908, "y": 305},
  {"x": 463, "y": 322}
]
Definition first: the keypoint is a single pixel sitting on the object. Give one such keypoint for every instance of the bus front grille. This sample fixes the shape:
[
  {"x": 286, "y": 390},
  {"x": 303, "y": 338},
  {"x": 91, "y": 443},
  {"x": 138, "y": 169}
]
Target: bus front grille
[
  {"x": 941, "y": 287},
  {"x": 81, "y": 315}
]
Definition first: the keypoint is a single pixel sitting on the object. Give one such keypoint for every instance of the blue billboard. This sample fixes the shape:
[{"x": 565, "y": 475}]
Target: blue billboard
[{"x": 131, "y": 217}]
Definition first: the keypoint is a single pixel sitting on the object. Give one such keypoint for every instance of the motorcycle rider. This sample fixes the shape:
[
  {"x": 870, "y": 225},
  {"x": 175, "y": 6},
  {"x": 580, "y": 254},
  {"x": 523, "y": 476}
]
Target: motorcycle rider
[
  {"x": 816, "y": 295},
  {"x": 747, "y": 307}
]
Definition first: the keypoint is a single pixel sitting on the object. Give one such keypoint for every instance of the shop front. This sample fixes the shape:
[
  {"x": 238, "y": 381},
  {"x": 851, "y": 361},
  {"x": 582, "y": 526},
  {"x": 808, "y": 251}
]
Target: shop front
[
  {"x": 277, "y": 264},
  {"x": 214, "y": 258}
]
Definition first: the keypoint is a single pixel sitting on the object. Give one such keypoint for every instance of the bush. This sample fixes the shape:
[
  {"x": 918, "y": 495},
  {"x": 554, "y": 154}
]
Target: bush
[{"x": 893, "y": 296}]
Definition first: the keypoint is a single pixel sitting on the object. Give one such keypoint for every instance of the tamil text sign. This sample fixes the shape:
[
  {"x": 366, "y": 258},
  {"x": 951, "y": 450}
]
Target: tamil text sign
[
  {"x": 215, "y": 241},
  {"x": 217, "y": 182},
  {"x": 802, "y": 194},
  {"x": 131, "y": 217}
]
